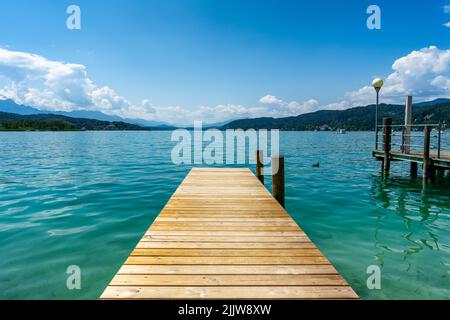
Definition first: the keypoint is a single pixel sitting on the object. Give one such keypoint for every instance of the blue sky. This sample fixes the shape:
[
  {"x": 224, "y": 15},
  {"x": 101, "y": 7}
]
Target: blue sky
[{"x": 190, "y": 54}]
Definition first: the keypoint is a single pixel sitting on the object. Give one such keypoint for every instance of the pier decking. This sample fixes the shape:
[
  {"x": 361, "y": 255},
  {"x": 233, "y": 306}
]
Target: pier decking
[
  {"x": 432, "y": 158},
  {"x": 441, "y": 161},
  {"x": 222, "y": 235}
]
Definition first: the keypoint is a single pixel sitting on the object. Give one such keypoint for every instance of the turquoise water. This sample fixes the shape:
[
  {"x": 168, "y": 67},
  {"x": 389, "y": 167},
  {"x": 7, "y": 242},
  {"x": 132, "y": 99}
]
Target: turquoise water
[{"x": 85, "y": 198}]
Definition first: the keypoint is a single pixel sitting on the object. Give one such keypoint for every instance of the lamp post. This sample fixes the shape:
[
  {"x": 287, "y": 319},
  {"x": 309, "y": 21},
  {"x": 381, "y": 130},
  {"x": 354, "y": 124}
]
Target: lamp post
[{"x": 377, "y": 84}]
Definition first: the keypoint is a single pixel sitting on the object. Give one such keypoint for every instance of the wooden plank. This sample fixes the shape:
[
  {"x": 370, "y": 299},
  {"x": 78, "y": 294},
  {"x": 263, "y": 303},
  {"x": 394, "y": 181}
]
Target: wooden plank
[
  {"x": 223, "y": 236},
  {"x": 251, "y": 292},
  {"x": 309, "y": 252},
  {"x": 229, "y": 233},
  {"x": 230, "y": 239},
  {"x": 223, "y": 245},
  {"x": 229, "y": 280},
  {"x": 226, "y": 260},
  {"x": 227, "y": 269},
  {"x": 185, "y": 227},
  {"x": 162, "y": 218}
]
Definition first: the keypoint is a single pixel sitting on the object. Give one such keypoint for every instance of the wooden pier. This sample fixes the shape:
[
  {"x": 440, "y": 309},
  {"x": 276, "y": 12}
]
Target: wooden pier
[
  {"x": 222, "y": 235},
  {"x": 431, "y": 159}
]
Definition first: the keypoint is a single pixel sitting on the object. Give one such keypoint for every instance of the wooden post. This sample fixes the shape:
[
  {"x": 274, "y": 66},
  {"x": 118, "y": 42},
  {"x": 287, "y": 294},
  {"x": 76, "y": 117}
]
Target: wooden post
[
  {"x": 278, "y": 179},
  {"x": 408, "y": 122},
  {"x": 387, "y": 130},
  {"x": 426, "y": 153},
  {"x": 414, "y": 169},
  {"x": 259, "y": 165}
]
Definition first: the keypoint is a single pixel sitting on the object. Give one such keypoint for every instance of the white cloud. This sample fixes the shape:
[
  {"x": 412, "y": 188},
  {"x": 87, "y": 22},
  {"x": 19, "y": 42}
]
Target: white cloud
[
  {"x": 276, "y": 107},
  {"x": 447, "y": 24},
  {"x": 53, "y": 85},
  {"x": 269, "y": 99},
  {"x": 425, "y": 74}
]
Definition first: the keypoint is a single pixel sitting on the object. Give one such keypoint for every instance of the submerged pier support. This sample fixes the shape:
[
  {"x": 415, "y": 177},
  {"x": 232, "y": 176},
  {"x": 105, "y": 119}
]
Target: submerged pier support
[
  {"x": 428, "y": 170},
  {"x": 387, "y": 130}
]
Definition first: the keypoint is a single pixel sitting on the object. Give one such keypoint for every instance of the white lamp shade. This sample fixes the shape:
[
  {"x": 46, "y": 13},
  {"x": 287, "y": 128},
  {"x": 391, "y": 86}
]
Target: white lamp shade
[{"x": 377, "y": 83}]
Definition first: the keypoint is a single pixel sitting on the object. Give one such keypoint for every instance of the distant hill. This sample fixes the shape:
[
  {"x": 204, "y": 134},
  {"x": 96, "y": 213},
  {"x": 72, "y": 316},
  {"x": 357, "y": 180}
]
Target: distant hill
[
  {"x": 432, "y": 103},
  {"x": 52, "y": 122},
  {"x": 355, "y": 119},
  {"x": 10, "y": 106}
]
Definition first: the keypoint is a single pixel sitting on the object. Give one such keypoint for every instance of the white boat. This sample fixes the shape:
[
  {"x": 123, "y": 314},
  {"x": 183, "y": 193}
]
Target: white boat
[{"x": 342, "y": 131}]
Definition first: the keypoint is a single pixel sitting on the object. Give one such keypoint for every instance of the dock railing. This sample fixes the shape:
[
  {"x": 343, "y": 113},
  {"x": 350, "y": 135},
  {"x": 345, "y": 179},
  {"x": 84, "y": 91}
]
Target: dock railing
[{"x": 410, "y": 139}]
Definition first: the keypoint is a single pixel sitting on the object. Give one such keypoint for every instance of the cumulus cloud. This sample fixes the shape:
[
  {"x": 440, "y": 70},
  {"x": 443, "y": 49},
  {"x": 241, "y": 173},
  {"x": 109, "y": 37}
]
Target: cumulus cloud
[
  {"x": 447, "y": 24},
  {"x": 285, "y": 108},
  {"x": 269, "y": 99},
  {"x": 53, "y": 85},
  {"x": 425, "y": 74},
  {"x": 59, "y": 86}
]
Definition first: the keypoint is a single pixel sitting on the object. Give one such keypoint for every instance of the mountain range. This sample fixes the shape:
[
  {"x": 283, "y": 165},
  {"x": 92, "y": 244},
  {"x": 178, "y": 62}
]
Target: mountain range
[
  {"x": 354, "y": 119},
  {"x": 54, "y": 122},
  {"x": 10, "y": 106}
]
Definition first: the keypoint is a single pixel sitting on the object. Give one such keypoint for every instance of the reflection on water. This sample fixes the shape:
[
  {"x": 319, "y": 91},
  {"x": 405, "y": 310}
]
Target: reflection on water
[
  {"x": 413, "y": 201},
  {"x": 420, "y": 206}
]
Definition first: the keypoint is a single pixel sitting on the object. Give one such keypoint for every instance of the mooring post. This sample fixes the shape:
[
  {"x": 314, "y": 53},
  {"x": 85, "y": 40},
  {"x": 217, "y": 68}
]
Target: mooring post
[
  {"x": 259, "y": 165},
  {"x": 406, "y": 145},
  {"x": 426, "y": 153},
  {"x": 278, "y": 179},
  {"x": 387, "y": 130}
]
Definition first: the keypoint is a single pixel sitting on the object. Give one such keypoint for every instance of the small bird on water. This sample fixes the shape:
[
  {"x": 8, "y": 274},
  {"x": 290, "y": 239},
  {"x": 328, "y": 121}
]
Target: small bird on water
[{"x": 317, "y": 165}]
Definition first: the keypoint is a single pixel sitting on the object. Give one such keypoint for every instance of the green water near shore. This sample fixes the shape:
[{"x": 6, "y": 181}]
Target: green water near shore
[{"x": 85, "y": 198}]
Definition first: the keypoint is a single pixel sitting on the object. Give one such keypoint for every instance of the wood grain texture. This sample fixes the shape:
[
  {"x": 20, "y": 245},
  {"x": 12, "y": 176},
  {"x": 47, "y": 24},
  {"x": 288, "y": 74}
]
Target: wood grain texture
[{"x": 223, "y": 236}]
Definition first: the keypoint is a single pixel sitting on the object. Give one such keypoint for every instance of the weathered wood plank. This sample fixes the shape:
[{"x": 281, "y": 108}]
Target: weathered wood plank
[
  {"x": 228, "y": 280},
  {"x": 223, "y": 245},
  {"x": 309, "y": 252},
  {"x": 226, "y": 260},
  {"x": 258, "y": 292},
  {"x": 227, "y": 269}
]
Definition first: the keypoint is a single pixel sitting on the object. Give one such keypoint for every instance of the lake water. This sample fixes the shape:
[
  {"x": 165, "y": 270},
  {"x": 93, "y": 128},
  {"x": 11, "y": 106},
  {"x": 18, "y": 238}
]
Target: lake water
[{"x": 86, "y": 198}]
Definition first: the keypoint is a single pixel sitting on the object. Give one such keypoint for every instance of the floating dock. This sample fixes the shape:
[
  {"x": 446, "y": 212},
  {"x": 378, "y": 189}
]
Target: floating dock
[{"x": 222, "y": 235}]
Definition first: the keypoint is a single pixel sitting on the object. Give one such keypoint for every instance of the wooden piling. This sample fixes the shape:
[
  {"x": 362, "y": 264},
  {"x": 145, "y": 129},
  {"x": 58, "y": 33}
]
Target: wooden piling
[
  {"x": 426, "y": 153},
  {"x": 387, "y": 131},
  {"x": 406, "y": 145},
  {"x": 278, "y": 179},
  {"x": 260, "y": 165}
]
